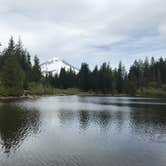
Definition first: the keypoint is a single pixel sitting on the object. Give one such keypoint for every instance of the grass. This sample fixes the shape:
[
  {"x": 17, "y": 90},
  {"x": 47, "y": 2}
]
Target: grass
[
  {"x": 11, "y": 91},
  {"x": 152, "y": 91},
  {"x": 40, "y": 90}
]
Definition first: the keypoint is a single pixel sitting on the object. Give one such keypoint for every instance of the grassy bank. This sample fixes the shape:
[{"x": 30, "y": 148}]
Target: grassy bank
[
  {"x": 43, "y": 90},
  {"x": 36, "y": 90},
  {"x": 151, "y": 92},
  {"x": 40, "y": 90}
]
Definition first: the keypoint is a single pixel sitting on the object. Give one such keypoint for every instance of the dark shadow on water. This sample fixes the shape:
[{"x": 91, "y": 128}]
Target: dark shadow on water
[
  {"x": 16, "y": 124},
  {"x": 102, "y": 118},
  {"x": 65, "y": 116},
  {"x": 149, "y": 122},
  {"x": 84, "y": 118}
]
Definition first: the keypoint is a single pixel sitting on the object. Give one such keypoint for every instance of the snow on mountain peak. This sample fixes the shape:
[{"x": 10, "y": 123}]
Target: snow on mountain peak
[{"x": 54, "y": 66}]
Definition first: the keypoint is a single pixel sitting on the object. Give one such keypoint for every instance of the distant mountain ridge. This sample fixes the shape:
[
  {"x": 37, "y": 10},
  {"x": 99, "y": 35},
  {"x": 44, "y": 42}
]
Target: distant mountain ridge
[{"x": 54, "y": 66}]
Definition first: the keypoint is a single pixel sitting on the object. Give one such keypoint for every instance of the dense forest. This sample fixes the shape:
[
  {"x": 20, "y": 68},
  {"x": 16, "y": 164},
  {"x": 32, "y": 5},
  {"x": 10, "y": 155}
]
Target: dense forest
[
  {"x": 16, "y": 69},
  {"x": 18, "y": 76}
]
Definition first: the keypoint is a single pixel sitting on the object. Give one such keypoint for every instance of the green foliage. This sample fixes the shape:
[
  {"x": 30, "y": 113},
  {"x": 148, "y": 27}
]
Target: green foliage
[
  {"x": 63, "y": 78},
  {"x": 12, "y": 74},
  {"x": 18, "y": 75},
  {"x": 141, "y": 76},
  {"x": 84, "y": 77},
  {"x": 163, "y": 87},
  {"x": 152, "y": 92},
  {"x": 36, "y": 72},
  {"x": 16, "y": 70},
  {"x": 120, "y": 78},
  {"x": 15, "y": 91},
  {"x": 40, "y": 89}
]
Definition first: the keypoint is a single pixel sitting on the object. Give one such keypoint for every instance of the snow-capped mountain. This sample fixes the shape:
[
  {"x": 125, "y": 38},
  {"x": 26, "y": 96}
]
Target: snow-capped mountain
[{"x": 54, "y": 66}]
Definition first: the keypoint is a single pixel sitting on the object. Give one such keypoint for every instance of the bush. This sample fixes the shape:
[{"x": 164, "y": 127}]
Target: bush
[
  {"x": 151, "y": 92},
  {"x": 10, "y": 91},
  {"x": 40, "y": 89},
  {"x": 163, "y": 87},
  {"x": 153, "y": 84}
]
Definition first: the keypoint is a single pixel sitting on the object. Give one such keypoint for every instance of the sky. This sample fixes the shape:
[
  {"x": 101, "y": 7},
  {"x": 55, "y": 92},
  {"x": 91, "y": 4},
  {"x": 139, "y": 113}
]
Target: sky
[{"x": 92, "y": 31}]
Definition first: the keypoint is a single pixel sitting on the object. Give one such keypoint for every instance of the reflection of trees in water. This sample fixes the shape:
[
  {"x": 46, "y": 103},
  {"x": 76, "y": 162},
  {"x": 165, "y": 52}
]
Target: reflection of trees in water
[
  {"x": 86, "y": 118},
  {"x": 103, "y": 118},
  {"x": 65, "y": 116},
  {"x": 149, "y": 122},
  {"x": 15, "y": 125},
  {"x": 120, "y": 118}
]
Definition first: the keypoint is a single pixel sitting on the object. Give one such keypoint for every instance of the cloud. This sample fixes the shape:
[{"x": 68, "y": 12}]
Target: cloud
[{"x": 87, "y": 30}]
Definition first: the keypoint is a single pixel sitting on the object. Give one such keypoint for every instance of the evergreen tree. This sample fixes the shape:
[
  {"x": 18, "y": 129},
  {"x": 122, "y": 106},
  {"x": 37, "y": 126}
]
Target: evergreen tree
[
  {"x": 105, "y": 78},
  {"x": 94, "y": 85},
  {"x": 63, "y": 78},
  {"x": 84, "y": 77},
  {"x": 12, "y": 76},
  {"x": 17, "y": 73},
  {"x": 120, "y": 78},
  {"x": 36, "y": 71}
]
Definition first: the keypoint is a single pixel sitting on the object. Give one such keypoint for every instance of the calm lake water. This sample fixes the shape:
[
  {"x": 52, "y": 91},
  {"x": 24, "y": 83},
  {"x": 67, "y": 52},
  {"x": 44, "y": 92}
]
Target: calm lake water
[{"x": 83, "y": 131}]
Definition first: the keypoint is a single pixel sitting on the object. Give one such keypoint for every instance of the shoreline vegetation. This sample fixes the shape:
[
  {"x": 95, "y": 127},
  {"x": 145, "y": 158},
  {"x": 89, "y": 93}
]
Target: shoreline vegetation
[
  {"x": 55, "y": 92},
  {"x": 35, "y": 94},
  {"x": 20, "y": 78}
]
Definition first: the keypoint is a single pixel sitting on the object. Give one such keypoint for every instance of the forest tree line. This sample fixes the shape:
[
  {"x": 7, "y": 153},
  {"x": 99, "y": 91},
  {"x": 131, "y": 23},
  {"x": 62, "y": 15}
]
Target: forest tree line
[
  {"x": 104, "y": 79},
  {"x": 17, "y": 74},
  {"x": 16, "y": 69}
]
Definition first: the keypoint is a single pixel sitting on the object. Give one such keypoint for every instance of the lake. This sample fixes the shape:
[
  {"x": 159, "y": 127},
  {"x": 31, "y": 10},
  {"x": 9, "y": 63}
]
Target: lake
[{"x": 83, "y": 131}]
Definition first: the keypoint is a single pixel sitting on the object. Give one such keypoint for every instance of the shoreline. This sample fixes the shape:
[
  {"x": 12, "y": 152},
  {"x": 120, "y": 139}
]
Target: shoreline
[
  {"x": 5, "y": 98},
  {"x": 10, "y": 98}
]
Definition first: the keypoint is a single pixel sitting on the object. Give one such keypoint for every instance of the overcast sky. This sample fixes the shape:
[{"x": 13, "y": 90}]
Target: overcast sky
[{"x": 90, "y": 31}]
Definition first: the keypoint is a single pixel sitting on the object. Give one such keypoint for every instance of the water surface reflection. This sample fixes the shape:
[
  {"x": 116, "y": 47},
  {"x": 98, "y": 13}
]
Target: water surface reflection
[
  {"x": 15, "y": 125},
  {"x": 84, "y": 131}
]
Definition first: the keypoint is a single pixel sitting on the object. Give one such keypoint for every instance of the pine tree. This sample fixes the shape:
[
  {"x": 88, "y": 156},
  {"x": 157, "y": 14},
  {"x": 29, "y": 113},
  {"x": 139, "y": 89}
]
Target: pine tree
[
  {"x": 84, "y": 77},
  {"x": 63, "y": 78},
  {"x": 120, "y": 78},
  {"x": 95, "y": 80},
  {"x": 36, "y": 71},
  {"x": 12, "y": 76}
]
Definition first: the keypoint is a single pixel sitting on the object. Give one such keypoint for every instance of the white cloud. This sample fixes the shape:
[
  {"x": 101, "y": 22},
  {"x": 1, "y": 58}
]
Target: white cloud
[{"x": 74, "y": 29}]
